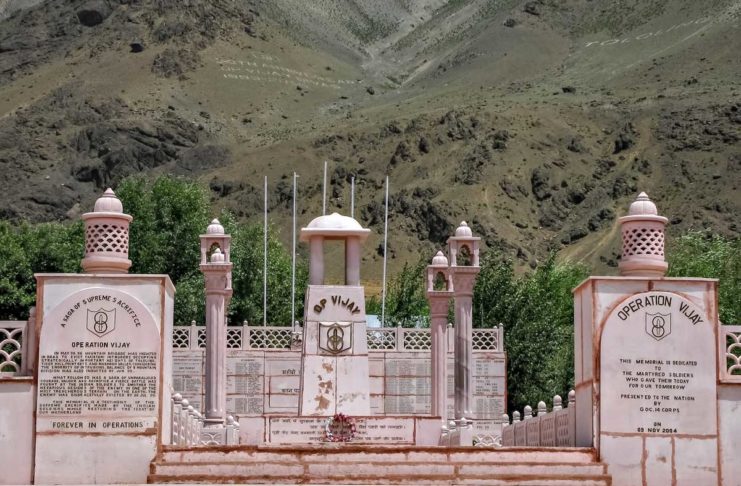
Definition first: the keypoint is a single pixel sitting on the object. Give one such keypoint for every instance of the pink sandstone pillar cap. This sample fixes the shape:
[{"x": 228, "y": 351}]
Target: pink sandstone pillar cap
[
  {"x": 643, "y": 237},
  {"x": 106, "y": 236}
]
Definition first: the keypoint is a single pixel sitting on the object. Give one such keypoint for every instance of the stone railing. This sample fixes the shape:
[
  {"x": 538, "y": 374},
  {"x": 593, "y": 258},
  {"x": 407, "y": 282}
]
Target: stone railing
[
  {"x": 187, "y": 423},
  {"x": 730, "y": 348},
  {"x": 12, "y": 347},
  {"x": 556, "y": 428},
  {"x": 188, "y": 430},
  {"x": 282, "y": 338}
]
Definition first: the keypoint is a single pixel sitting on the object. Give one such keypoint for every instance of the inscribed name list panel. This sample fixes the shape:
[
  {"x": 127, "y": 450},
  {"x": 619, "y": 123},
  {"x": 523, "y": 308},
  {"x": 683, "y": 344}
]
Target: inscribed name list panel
[
  {"x": 658, "y": 371},
  {"x": 98, "y": 365},
  {"x": 245, "y": 382},
  {"x": 187, "y": 372}
]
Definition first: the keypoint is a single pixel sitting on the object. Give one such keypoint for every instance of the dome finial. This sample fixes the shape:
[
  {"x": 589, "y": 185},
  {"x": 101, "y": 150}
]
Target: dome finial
[
  {"x": 215, "y": 228},
  {"x": 463, "y": 230}
]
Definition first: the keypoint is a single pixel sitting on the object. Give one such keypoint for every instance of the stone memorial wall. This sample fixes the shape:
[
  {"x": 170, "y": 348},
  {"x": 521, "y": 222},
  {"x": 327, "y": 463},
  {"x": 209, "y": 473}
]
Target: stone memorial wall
[{"x": 266, "y": 381}]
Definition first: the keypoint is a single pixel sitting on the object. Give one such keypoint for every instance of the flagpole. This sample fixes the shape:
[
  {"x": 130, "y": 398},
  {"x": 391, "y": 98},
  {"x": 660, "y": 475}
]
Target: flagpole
[
  {"x": 265, "y": 259},
  {"x": 385, "y": 246},
  {"x": 293, "y": 261},
  {"x": 352, "y": 197},
  {"x": 324, "y": 191}
]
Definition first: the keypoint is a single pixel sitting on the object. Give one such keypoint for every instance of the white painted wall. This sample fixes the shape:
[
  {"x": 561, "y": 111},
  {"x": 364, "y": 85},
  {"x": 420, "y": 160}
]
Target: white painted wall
[{"x": 16, "y": 429}]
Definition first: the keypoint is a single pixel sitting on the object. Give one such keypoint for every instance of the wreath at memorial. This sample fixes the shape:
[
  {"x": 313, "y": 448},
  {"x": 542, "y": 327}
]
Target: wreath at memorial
[{"x": 339, "y": 428}]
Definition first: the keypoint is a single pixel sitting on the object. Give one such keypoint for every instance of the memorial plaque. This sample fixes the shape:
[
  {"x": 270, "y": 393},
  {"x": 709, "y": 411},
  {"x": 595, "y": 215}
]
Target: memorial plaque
[
  {"x": 370, "y": 430},
  {"x": 240, "y": 364},
  {"x": 407, "y": 367},
  {"x": 486, "y": 364},
  {"x": 658, "y": 367},
  {"x": 98, "y": 365}
]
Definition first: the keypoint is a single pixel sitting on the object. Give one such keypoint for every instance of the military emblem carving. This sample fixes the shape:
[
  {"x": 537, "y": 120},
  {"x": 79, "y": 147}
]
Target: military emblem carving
[{"x": 336, "y": 337}]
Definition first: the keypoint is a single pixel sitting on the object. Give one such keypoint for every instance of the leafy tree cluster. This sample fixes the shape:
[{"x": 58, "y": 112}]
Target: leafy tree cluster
[
  {"x": 27, "y": 249},
  {"x": 708, "y": 255}
]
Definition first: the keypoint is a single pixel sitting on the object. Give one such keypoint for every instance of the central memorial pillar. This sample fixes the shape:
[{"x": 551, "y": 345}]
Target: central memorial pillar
[{"x": 334, "y": 374}]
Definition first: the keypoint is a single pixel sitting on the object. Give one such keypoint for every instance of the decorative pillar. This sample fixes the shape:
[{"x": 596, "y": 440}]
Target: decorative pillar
[
  {"x": 316, "y": 260},
  {"x": 352, "y": 260},
  {"x": 106, "y": 236},
  {"x": 217, "y": 271},
  {"x": 464, "y": 250},
  {"x": 439, "y": 293},
  {"x": 643, "y": 240}
]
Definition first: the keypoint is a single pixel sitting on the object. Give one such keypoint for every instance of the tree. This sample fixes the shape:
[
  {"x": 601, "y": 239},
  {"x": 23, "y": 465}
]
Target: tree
[
  {"x": 708, "y": 255},
  {"x": 247, "y": 256},
  {"x": 406, "y": 300},
  {"x": 169, "y": 216},
  {"x": 27, "y": 249},
  {"x": 536, "y": 310}
]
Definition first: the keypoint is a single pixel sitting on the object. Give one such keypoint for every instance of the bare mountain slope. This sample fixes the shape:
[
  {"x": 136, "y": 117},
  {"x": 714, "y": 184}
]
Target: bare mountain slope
[{"x": 535, "y": 121}]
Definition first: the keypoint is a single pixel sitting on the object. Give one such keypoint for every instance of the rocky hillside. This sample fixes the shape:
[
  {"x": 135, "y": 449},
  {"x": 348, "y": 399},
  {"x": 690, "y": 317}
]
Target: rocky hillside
[{"x": 535, "y": 121}]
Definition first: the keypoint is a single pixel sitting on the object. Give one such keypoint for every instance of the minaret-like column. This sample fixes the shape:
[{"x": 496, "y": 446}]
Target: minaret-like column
[
  {"x": 439, "y": 293},
  {"x": 464, "y": 251},
  {"x": 642, "y": 233},
  {"x": 217, "y": 271}
]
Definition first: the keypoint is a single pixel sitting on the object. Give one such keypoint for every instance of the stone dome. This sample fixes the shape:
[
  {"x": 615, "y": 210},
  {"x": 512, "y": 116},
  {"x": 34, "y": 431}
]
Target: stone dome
[
  {"x": 642, "y": 206},
  {"x": 215, "y": 228},
  {"x": 334, "y": 221},
  {"x": 217, "y": 256},
  {"x": 334, "y": 226},
  {"x": 440, "y": 259},
  {"x": 463, "y": 230},
  {"x": 108, "y": 203}
]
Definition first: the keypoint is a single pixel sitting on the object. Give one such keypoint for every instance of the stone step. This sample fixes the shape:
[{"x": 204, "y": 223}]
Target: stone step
[
  {"x": 341, "y": 453},
  {"x": 483, "y": 480},
  {"x": 362, "y": 469},
  {"x": 351, "y": 464}
]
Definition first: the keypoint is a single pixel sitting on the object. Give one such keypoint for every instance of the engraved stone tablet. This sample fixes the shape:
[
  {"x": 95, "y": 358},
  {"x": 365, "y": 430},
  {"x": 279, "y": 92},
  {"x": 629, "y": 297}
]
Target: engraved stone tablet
[
  {"x": 98, "y": 365},
  {"x": 658, "y": 367}
]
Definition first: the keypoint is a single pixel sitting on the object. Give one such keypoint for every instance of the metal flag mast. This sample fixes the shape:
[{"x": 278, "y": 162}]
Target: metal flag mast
[
  {"x": 265, "y": 259},
  {"x": 324, "y": 191},
  {"x": 352, "y": 197},
  {"x": 385, "y": 244},
  {"x": 293, "y": 260}
]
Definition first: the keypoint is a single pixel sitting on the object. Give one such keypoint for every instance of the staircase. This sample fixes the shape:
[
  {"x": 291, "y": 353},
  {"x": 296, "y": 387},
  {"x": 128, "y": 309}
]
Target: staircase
[{"x": 375, "y": 464}]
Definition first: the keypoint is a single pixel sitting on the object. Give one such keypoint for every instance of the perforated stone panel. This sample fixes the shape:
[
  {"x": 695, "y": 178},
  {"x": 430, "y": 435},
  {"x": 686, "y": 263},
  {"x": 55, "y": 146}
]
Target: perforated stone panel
[
  {"x": 181, "y": 337},
  {"x": 643, "y": 241},
  {"x": 270, "y": 338},
  {"x": 485, "y": 340},
  {"x": 10, "y": 350},
  {"x": 417, "y": 340},
  {"x": 234, "y": 338},
  {"x": 381, "y": 339},
  {"x": 106, "y": 238}
]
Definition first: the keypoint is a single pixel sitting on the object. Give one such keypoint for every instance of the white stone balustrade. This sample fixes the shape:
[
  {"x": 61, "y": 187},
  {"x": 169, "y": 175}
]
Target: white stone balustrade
[
  {"x": 283, "y": 337},
  {"x": 556, "y": 428}
]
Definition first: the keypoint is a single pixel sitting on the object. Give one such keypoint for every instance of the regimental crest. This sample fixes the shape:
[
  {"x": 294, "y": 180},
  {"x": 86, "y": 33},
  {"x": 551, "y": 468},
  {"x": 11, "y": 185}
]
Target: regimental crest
[
  {"x": 658, "y": 325},
  {"x": 101, "y": 322},
  {"x": 336, "y": 337}
]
